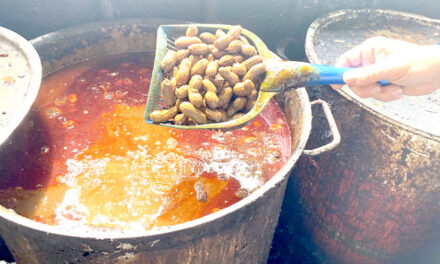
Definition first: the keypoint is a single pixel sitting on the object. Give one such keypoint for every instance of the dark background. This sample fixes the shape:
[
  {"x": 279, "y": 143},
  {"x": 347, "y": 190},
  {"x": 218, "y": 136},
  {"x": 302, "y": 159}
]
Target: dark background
[{"x": 272, "y": 20}]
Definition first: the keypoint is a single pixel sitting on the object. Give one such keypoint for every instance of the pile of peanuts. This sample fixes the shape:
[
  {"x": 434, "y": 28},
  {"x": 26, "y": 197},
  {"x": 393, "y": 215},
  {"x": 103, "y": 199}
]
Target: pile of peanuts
[{"x": 210, "y": 78}]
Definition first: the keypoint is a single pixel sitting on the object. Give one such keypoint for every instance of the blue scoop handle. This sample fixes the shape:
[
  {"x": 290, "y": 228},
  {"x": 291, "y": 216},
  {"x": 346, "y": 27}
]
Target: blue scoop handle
[{"x": 332, "y": 75}]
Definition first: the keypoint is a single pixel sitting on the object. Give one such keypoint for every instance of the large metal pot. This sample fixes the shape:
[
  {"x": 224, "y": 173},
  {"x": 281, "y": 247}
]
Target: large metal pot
[
  {"x": 20, "y": 77},
  {"x": 374, "y": 198},
  {"x": 241, "y": 233}
]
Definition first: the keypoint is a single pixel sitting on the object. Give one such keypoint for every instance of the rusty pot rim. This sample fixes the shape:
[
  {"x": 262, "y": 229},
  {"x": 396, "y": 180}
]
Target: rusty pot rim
[
  {"x": 272, "y": 183},
  {"x": 27, "y": 50},
  {"x": 345, "y": 91}
]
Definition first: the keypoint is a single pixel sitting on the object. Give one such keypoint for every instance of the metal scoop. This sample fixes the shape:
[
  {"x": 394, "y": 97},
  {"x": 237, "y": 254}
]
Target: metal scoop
[{"x": 280, "y": 75}]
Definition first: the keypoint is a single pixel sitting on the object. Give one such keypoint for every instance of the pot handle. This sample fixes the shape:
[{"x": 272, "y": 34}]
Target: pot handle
[{"x": 333, "y": 128}]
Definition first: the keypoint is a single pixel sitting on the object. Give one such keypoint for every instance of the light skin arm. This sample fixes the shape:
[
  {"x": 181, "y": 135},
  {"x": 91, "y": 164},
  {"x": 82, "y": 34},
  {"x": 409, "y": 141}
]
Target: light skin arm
[{"x": 412, "y": 69}]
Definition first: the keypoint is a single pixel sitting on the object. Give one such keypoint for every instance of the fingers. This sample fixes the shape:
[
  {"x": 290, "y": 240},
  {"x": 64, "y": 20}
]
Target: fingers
[
  {"x": 367, "y": 75},
  {"x": 366, "y": 53},
  {"x": 358, "y": 56},
  {"x": 336, "y": 86},
  {"x": 351, "y": 58},
  {"x": 389, "y": 93},
  {"x": 366, "y": 91},
  {"x": 417, "y": 90},
  {"x": 382, "y": 93},
  {"x": 391, "y": 60}
]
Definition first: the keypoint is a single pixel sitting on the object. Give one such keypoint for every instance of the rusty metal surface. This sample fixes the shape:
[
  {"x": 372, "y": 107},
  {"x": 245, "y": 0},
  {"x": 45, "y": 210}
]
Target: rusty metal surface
[
  {"x": 20, "y": 77},
  {"x": 416, "y": 142},
  {"x": 335, "y": 33},
  {"x": 336, "y": 137},
  {"x": 241, "y": 233},
  {"x": 374, "y": 198}
]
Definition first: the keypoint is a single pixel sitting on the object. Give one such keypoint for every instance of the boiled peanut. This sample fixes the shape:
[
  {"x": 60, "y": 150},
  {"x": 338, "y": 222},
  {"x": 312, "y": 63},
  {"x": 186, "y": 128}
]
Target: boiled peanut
[
  {"x": 252, "y": 61},
  {"x": 219, "y": 89},
  {"x": 225, "y": 96},
  {"x": 219, "y": 33},
  {"x": 218, "y": 53},
  {"x": 238, "y": 58},
  {"x": 207, "y": 37},
  {"x": 238, "y": 69},
  {"x": 253, "y": 95},
  {"x": 209, "y": 86},
  {"x": 196, "y": 82},
  {"x": 211, "y": 69},
  {"x": 199, "y": 67},
  {"x": 181, "y": 54},
  {"x": 193, "y": 59},
  {"x": 216, "y": 115},
  {"x": 211, "y": 99},
  {"x": 234, "y": 47},
  {"x": 199, "y": 49},
  {"x": 182, "y": 74},
  {"x": 218, "y": 80},
  {"x": 235, "y": 31},
  {"x": 167, "y": 89},
  {"x": 182, "y": 92},
  {"x": 160, "y": 116},
  {"x": 195, "y": 98},
  {"x": 244, "y": 40},
  {"x": 175, "y": 70},
  {"x": 180, "y": 119},
  {"x": 194, "y": 95},
  {"x": 217, "y": 63},
  {"x": 192, "y": 112},
  {"x": 255, "y": 72},
  {"x": 243, "y": 88},
  {"x": 248, "y": 50},
  {"x": 168, "y": 61},
  {"x": 239, "y": 103},
  {"x": 229, "y": 76},
  {"x": 250, "y": 104},
  {"x": 237, "y": 115},
  {"x": 185, "y": 42},
  {"x": 178, "y": 102},
  {"x": 251, "y": 99},
  {"x": 191, "y": 122},
  {"x": 226, "y": 60},
  {"x": 223, "y": 41},
  {"x": 191, "y": 31},
  {"x": 173, "y": 82},
  {"x": 236, "y": 105}
]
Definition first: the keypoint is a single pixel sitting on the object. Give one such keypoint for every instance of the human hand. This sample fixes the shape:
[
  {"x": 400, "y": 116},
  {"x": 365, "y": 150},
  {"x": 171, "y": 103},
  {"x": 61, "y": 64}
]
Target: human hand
[{"x": 412, "y": 69}]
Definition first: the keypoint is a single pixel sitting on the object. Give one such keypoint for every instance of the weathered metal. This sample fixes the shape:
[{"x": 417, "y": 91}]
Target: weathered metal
[
  {"x": 374, "y": 198},
  {"x": 20, "y": 77},
  {"x": 241, "y": 233}
]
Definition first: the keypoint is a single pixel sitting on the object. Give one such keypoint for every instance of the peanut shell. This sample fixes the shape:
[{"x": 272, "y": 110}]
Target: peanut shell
[
  {"x": 192, "y": 112},
  {"x": 185, "y": 42}
]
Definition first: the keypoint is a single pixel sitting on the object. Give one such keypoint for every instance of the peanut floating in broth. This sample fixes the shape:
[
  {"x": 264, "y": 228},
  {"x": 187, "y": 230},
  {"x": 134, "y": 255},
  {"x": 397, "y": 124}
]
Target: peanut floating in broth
[{"x": 230, "y": 69}]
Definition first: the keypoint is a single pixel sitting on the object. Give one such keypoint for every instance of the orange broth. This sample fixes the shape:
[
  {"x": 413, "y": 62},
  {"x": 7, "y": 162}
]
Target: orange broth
[{"x": 85, "y": 159}]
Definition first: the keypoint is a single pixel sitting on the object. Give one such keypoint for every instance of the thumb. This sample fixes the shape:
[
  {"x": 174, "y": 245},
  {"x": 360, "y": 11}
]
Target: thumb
[{"x": 391, "y": 69}]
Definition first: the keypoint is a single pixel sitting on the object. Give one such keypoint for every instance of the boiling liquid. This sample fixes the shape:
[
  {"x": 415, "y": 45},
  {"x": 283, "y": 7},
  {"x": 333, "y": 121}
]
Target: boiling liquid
[{"x": 85, "y": 158}]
